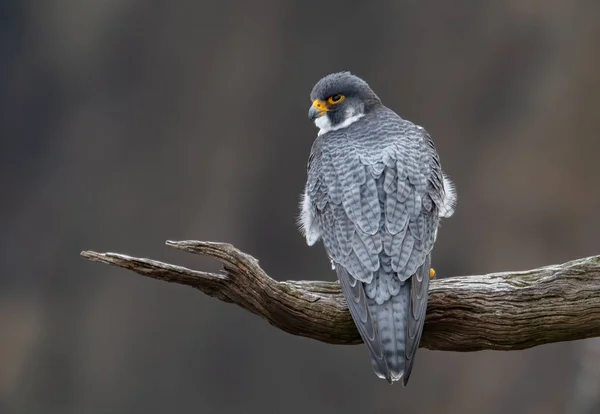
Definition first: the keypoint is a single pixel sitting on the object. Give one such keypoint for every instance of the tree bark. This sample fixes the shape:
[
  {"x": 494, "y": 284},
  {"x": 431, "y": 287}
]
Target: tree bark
[{"x": 499, "y": 311}]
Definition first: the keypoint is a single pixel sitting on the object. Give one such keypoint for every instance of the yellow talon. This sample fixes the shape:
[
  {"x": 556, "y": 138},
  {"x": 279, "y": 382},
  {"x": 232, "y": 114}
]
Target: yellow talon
[{"x": 431, "y": 273}]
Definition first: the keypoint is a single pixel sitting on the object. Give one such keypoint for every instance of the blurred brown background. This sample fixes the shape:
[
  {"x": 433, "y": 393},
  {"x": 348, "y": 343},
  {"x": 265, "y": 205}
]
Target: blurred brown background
[{"x": 125, "y": 123}]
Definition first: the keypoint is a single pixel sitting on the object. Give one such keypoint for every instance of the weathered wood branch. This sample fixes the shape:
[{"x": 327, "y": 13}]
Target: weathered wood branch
[{"x": 501, "y": 311}]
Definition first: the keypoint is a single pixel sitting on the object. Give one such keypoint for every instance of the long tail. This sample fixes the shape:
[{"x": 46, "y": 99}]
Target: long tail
[
  {"x": 391, "y": 329},
  {"x": 391, "y": 317}
]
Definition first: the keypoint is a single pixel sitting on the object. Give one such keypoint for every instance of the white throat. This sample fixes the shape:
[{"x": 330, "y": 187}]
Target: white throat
[{"x": 324, "y": 124}]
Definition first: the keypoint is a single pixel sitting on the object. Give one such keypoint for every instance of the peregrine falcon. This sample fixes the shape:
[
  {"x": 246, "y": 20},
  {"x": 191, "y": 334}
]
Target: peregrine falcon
[{"x": 375, "y": 194}]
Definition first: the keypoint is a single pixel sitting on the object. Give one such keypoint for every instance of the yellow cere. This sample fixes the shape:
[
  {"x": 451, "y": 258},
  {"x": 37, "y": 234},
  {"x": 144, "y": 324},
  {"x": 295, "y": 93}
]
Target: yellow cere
[{"x": 320, "y": 105}]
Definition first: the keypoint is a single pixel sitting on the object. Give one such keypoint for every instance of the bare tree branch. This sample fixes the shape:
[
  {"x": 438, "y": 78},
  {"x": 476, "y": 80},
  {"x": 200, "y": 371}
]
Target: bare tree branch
[{"x": 501, "y": 311}]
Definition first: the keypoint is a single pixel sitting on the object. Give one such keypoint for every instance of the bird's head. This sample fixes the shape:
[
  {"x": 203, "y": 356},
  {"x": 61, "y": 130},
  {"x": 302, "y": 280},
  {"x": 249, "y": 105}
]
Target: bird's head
[{"x": 340, "y": 99}]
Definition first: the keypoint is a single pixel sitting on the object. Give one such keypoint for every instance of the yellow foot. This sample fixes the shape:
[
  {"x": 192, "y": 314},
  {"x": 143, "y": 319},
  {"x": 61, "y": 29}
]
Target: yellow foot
[{"x": 431, "y": 273}]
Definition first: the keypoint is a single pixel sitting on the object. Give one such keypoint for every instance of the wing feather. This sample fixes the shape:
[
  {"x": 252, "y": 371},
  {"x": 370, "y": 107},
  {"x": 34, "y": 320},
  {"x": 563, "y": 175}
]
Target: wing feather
[
  {"x": 418, "y": 303},
  {"x": 354, "y": 293},
  {"x": 378, "y": 211}
]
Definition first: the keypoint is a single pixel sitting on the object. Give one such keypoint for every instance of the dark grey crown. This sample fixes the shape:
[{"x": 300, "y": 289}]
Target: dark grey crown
[{"x": 346, "y": 84}]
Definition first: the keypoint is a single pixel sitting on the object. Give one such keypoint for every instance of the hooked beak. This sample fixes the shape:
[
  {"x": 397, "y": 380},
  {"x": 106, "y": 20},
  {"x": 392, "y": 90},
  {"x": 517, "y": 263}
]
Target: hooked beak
[{"x": 318, "y": 109}]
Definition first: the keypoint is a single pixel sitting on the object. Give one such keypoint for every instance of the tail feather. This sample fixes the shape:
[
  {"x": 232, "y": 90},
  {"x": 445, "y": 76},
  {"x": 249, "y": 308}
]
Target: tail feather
[
  {"x": 390, "y": 323},
  {"x": 391, "y": 319}
]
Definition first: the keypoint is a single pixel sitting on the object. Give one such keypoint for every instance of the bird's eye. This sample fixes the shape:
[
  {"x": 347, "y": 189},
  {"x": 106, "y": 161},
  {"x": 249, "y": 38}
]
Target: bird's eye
[{"x": 335, "y": 99}]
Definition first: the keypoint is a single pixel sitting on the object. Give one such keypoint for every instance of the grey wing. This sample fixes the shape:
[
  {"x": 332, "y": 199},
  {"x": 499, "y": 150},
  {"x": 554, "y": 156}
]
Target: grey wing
[
  {"x": 347, "y": 209},
  {"x": 419, "y": 295},
  {"x": 426, "y": 188},
  {"x": 354, "y": 293},
  {"x": 413, "y": 185},
  {"x": 381, "y": 210}
]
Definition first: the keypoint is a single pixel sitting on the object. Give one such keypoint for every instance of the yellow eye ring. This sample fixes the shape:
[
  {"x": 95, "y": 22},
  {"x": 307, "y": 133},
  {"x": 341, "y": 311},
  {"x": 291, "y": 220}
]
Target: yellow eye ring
[{"x": 335, "y": 99}]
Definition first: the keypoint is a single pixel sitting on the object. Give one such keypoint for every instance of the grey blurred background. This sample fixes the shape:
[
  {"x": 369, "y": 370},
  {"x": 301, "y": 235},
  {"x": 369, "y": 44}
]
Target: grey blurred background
[{"x": 125, "y": 123}]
